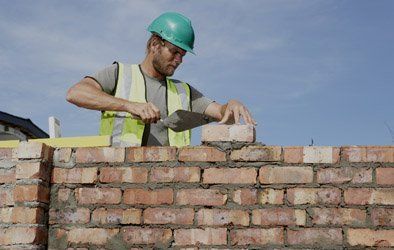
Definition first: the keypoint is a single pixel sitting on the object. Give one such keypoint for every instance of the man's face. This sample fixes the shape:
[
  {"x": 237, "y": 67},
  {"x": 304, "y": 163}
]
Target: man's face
[{"x": 167, "y": 58}]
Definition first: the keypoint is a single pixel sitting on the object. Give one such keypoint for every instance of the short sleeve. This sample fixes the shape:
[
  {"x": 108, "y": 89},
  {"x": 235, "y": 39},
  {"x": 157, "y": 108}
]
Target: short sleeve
[
  {"x": 107, "y": 78},
  {"x": 199, "y": 101}
]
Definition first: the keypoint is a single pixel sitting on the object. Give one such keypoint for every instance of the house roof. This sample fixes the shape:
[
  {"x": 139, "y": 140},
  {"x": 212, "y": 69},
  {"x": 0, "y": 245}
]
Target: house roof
[{"x": 24, "y": 125}]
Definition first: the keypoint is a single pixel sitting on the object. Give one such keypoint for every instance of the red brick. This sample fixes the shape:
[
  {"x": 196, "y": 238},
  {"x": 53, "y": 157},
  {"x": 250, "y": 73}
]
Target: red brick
[
  {"x": 26, "y": 215},
  {"x": 62, "y": 155},
  {"x": 321, "y": 154},
  {"x": 279, "y": 174},
  {"x": 74, "y": 175},
  {"x": 315, "y": 236},
  {"x": 257, "y": 153},
  {"x": 293, "y": 154},
  {"x": 382, "y": 217},
  {"x": 6, "y": 196},
  {"x": 298, "y": 196},
  {"x": 6, "y": 215},
  {"x": 230, "y": 175},
  {"x": 32, "y": 170},
  {"x": 5, "y": 153},
  {"x": 69, "y": 216},
  {"x": 369, "y": 237},
  {"x": 201, "y": 153},
  {"x": 182, "y": 216},
  {"x": 344, "y": 175},
  {"x": 23, "y": 235},
  {"x": 175, "y": 174},
  {"x": 116, "y": 216},
  {"x": 150, "y": 154},
  {"x": 7, "y": 175},
  {"x": 271, "y": 196},
  {"x": 98, "y": 195},
  {"x": 195, "y": 236},
  {"x": 385, "y": 176},
  {"x": 279, "y": 217},
  {"x": 96, "y": 236},
  {"x": 363, "y": 196},
  {"x": 220, "y": 217},
  {"x": 63, "y": 194},
  {"x": 338, "y": 216},
  {"x": 245, "y": 196},
  {"x": 148, "y": 197},
  {"x": 368, "y": 154},
  {"x": 257, "y": 236},
  {"x": 123, "y": 174},
  {"x": 206, "y": 197},
  {"x": 138, "y": 235},
  {"x": 24, "y": 193},
  {"x": 102, "y": 154},
  {"x": 235, "y": 133},
  {"x": 34, "y": 150}
]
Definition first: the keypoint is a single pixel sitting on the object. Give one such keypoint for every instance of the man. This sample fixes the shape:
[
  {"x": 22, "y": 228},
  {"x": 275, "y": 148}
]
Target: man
[{"x": 133, "y": 98}]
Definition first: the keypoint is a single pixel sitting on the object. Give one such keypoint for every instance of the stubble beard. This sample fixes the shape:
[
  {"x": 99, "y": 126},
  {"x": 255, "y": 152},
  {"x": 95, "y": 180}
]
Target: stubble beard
[{"x": 160, "y": 66}]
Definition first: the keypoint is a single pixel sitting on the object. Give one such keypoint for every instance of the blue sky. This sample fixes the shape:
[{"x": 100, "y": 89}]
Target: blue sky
[{"x": 306, "y": 69}]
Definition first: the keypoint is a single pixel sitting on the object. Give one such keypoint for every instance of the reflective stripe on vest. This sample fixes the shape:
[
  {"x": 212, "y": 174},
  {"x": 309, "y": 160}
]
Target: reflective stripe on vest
[{"x": 127, "y": 131}]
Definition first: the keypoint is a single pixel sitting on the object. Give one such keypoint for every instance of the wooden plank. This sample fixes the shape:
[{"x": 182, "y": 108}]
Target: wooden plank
[
  {"x": 9, "y": 144},
  {"x": 77, "y": 142}
]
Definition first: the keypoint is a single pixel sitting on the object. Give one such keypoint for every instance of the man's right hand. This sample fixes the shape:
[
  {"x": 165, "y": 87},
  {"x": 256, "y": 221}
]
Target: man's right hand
[{"x": 148, "y": 112}]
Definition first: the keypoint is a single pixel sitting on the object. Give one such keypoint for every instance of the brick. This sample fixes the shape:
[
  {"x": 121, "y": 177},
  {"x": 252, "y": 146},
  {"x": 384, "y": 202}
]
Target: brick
[
  {"x": 298, "y": 196},
  {"x": 5, "y": 153},
  {"x": 229, "y": 133},
  {"x": 382, "y": 216},
  {"x": 96, "y": 236},
  {"x": 102, "y": 154},
  {"x": 32, "y": 170},
  {"x": 279, "y": 174},
  {"x": 26, "y": 215},
  {"x": 206, "y": 197},
  {"x": 315, "y": 236},
  {"x": 369, "y": 237},
  {"x": 150, "y": 154},
  {"x": 279, "y": 217},
  {"x": 271, "y": 196},
  {"x": 6, "y": 215},
  {"x": 257, "y": 236},
  {"x": 257, "y": 153},
  {"x": 229, "y": 176},
  {"x": 62, "y": 155},
  {"x": 344, "y": 175},
  {"x": 98, "y": 195},
  {"x": 363, "y": 196},
  {"x": 385, "y": 176},
  {"x": 293, "y": 154},
  {"x": 63, "y": 194},
  {"x": 33, "y": 150},
  {"x": 338, "y": 216},
  {"x": 69, "y": 216},
  {"x": 74, "y": 175},
  {"x": 23, "y": 235},
  {"x": 368, "y": 154},
  {"x": 116, "y": 216},
  {"x": 6, "y": 196},
  {"x": 138, "y": 235},
  {"x": 179, "y": 216},
  {"x": 321, "y": 154},
  {"x": 123, "y": 174},
  {"x": 201, "y": 154},
  {"x": 220, "y": 217},
  {"x": 245, "y": 196},
  {"x": 206, "y": 236},
  {"x": 23, "y": 193},
  {"x": 7, "y": 176},
  {"x": 148, "y": 197},
  {"x": 175, "y": 174}
]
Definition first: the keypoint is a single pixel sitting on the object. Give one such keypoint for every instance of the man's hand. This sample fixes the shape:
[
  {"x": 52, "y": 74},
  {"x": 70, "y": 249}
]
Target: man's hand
[
  {"x": 233, "y": 111},
  {"x": 148, "y": 112}
]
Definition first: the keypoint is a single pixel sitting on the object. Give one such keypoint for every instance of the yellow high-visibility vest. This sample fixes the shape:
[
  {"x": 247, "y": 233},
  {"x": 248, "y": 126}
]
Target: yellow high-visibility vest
[{"x": 125, "y": 130}]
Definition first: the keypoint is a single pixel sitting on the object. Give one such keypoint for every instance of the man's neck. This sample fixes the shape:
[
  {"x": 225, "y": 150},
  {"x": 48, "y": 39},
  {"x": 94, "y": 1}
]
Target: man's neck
[{"x": 147, "y": 68}]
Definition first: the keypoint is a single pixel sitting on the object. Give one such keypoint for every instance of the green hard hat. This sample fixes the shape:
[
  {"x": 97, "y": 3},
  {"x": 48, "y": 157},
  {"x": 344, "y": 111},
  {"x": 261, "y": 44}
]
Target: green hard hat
[{"x": 175, "y": 28}]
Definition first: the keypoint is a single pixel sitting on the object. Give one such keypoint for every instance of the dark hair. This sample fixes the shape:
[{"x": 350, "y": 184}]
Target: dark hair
[{"x": 152, "y": 40}]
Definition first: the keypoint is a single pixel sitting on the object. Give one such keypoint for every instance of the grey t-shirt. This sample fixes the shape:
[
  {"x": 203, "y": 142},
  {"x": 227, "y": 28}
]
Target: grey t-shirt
[{"x": 154, "y": 134}]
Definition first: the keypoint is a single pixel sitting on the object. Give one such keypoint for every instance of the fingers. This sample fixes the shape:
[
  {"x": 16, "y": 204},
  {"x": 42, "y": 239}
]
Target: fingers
[
  {"x": 226, "y": 116},
  {"x": 235, "y": 110},
  {"x": 150, "y": 113}
]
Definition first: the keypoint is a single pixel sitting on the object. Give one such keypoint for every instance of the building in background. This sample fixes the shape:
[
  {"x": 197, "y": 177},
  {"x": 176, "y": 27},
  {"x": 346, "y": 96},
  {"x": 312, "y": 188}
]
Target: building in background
[{"x": 17, "y": 128}]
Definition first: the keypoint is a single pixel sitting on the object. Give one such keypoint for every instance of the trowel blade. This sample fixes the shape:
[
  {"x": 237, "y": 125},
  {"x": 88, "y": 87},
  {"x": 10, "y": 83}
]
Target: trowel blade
[{"x": 182, "y": 120}]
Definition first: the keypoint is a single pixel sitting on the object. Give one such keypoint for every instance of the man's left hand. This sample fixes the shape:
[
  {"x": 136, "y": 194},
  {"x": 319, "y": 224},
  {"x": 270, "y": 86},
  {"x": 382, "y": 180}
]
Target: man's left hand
[{"x": 233, "y": 111}]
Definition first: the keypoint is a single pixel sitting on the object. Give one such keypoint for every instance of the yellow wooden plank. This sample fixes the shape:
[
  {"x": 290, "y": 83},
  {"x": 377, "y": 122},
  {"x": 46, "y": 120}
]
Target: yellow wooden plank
[
  {"x": 77, "y": 142},
  {"x": 9, "y": 144}
]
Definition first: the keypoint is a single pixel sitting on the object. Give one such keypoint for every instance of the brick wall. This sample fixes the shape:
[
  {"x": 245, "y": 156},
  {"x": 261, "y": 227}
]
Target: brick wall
[{"x": 230, "y": 195}]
